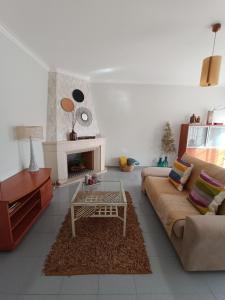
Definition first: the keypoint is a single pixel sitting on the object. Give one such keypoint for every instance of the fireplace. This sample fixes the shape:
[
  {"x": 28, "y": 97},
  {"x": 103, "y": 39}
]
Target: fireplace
[
  {"x": 80, "y": 163},
  {"x": 65, "y": 158}
]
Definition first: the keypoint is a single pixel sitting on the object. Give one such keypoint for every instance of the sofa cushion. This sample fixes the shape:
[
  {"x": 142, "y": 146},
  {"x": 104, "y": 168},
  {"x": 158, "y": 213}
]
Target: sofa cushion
[
  {"x": 159, "y": 185},
  {"x": 180, "y": 173},
  {"x": 207, "y": 194},
  {"x": 199, "y": 165},
  {"x": 178, "y": 228},
  {"x": 173, "y": 208}
]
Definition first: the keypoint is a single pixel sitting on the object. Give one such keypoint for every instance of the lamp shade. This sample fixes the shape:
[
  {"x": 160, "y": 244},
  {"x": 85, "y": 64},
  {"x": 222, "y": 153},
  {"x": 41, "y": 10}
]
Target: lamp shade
[
  {"x": 26, "y": 132},
  {"x": 210, "y": 70}
]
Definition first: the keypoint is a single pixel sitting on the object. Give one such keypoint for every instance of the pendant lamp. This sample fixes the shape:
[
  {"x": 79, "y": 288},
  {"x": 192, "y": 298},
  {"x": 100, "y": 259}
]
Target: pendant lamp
[{"x": 211, "y": 65}]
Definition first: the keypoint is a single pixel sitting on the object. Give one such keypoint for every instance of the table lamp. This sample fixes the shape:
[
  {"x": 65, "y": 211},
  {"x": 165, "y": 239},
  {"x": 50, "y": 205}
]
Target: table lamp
[{"x": 30, "y": 132}]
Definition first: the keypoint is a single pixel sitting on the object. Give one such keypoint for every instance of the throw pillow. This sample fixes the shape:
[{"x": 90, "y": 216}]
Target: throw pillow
[
  {"x": 207, "y": 194},
  {"x": 132, "y": 162},
  {"x": 180, "y": 173}
]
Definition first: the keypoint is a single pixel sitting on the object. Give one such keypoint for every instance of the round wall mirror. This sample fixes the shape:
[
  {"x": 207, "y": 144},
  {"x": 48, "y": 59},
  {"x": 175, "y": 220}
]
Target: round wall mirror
[
  {"x": 78, "y": 95},
  {"x": 67, "y": 104},
  {"x": 84, "y": 116}
]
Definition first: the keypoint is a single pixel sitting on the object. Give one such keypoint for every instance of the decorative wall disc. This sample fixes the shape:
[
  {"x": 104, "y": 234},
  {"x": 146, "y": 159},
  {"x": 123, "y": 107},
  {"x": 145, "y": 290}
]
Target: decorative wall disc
[
  {"x": 78, "y": 95},
  {"x": 84, "y": 116},
  {"x": 67, "y": 104}
]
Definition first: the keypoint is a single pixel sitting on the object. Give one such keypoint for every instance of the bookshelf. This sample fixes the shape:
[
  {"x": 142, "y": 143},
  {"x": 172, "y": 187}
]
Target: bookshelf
[
  {"x": 23, "y": 197},
  {"x": 206, "y": 142}
]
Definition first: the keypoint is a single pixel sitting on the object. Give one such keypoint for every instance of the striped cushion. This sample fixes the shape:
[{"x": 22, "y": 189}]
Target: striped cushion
[
  {"x": 180, "y": 173},
  {"x": 207, "y": 194}
]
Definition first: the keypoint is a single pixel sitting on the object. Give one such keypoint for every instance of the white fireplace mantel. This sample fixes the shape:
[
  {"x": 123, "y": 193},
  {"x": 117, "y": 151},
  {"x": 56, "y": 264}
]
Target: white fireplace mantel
[{"x": 55, "y": 155}]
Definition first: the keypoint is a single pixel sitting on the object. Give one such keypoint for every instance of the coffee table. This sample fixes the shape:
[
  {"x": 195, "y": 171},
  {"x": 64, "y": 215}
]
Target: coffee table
[{"x": 100, "y": 200}]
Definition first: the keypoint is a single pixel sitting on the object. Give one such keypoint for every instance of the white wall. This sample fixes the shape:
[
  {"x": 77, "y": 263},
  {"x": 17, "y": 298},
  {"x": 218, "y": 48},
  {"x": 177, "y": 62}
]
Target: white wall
[
  {"x": 23, "y": 101},
  {"x": 131, "y": 116}
]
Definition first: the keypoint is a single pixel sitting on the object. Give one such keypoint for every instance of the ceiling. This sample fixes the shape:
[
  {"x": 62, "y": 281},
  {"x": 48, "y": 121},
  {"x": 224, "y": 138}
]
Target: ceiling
[{"x": 140, "y": 41}]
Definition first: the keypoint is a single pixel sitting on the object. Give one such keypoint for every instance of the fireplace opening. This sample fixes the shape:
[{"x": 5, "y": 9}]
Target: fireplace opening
[{"x": 80, "y": 163}]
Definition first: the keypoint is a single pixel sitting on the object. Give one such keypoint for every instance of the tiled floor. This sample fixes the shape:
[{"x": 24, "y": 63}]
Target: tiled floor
[{"x": 21, "y": 277}]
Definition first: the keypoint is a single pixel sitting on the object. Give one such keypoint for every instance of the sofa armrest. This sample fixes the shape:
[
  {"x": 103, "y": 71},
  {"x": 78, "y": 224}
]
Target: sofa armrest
[
  {"x": 155, "y": 171},
  {"x": 204, "y": 243}
]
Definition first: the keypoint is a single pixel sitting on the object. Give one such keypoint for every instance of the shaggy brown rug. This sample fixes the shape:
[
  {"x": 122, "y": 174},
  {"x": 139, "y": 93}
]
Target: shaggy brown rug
[{"x": 99, "y": 247}]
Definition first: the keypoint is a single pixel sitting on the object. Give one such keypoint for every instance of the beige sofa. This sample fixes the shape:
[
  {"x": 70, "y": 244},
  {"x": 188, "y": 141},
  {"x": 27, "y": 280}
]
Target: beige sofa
[{"x": 199, "y": 240}]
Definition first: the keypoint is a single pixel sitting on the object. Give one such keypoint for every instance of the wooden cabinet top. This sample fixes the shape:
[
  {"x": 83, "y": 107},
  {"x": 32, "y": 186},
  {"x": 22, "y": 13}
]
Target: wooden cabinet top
[
  {"x": 23, "y": 183},
  {"x": 202, "y": 125}
]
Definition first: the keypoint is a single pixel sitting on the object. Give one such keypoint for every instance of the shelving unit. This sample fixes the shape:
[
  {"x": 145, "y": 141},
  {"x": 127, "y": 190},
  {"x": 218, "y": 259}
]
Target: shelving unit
[
  {"x": 23, "y": 197},
  {"x": 206, "y": 142}
]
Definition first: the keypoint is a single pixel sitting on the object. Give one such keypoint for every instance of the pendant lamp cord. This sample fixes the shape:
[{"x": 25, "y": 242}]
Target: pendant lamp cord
[{"x": 214, "y": 42}]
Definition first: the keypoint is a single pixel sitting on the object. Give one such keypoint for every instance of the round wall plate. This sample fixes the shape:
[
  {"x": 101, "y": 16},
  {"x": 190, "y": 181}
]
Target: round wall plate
[
  {"x": 84, "y": 116},
  {"x": 67, "y": 104},
  {"x": 78, "y": 95}
]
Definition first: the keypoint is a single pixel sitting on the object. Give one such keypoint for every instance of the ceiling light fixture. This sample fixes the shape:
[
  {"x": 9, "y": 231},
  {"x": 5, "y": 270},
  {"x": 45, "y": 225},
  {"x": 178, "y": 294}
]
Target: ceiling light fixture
[{"x": 211, "y": 65}]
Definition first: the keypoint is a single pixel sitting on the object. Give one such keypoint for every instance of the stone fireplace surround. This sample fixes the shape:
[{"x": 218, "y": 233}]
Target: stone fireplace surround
[{"x": 55, "y": 156}]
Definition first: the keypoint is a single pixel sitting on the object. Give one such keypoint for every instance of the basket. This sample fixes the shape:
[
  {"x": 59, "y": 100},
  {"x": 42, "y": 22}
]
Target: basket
[{"x": 127, "y": 168}]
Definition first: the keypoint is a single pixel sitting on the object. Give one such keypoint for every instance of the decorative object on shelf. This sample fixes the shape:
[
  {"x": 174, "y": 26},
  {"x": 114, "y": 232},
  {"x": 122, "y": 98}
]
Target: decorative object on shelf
[
  {"x": 127, "y": 164},
  {"x": 91, "y": 179},
  {"x": 69, "y": 107},
  {"x": 168, "y": 142},
  {"x": 214, "y": 113},
  {"x": 95, "y": 178},
  {"x": 84, "y": 116},
  {"x": 30, "y": 132},
  {"x": 194, "y": 119},
  {"x": 210, "y": 117},
  {"x": 160, "y": 162},
  {"x": 86, "y": 178},
  {"x": 198, "y": 119},
  {"x": 165, "y": 162},
  {"x": 78, "y": 95},
  {"x": 73, "y": 135},
  {"x": 211, "y": 65}
]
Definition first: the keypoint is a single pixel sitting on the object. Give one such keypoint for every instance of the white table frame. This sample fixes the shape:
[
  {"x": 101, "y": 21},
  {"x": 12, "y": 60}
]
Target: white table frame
[{"x": 98, "y": 209}]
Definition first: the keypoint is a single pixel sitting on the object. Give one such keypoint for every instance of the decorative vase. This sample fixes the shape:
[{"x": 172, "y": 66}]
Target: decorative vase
[
  {"x": 165, "y": 162},
  {"x": 160, "y": 162},
  {"x": 73, "y": 135},
  {"x": 210, "y": 117}
]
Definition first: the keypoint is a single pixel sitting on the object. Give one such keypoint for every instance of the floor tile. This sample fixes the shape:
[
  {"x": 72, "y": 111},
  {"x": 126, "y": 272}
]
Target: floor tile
[
  {"x": 117, "y": 297},
  {"x": 158, "y": 245},
  {"x": 176, "y": 297},
  {"x": 216, "y": 282},
  {"x": 169, "y": 277},
  {"x": 48, "y": 224},
  {"x": 35, "y": 244},
  {"x": 38, "y": 297},
  {"x": 37, "y": 283},
  {"x": 14, "y": 274},
  {"x": 116, "y": 284},
  {"x": 220, "y": 296},
  {"x": 78, "y": 297},
  {"x": 80, "y": 284},
  {"x": 8, "y": 297}
]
